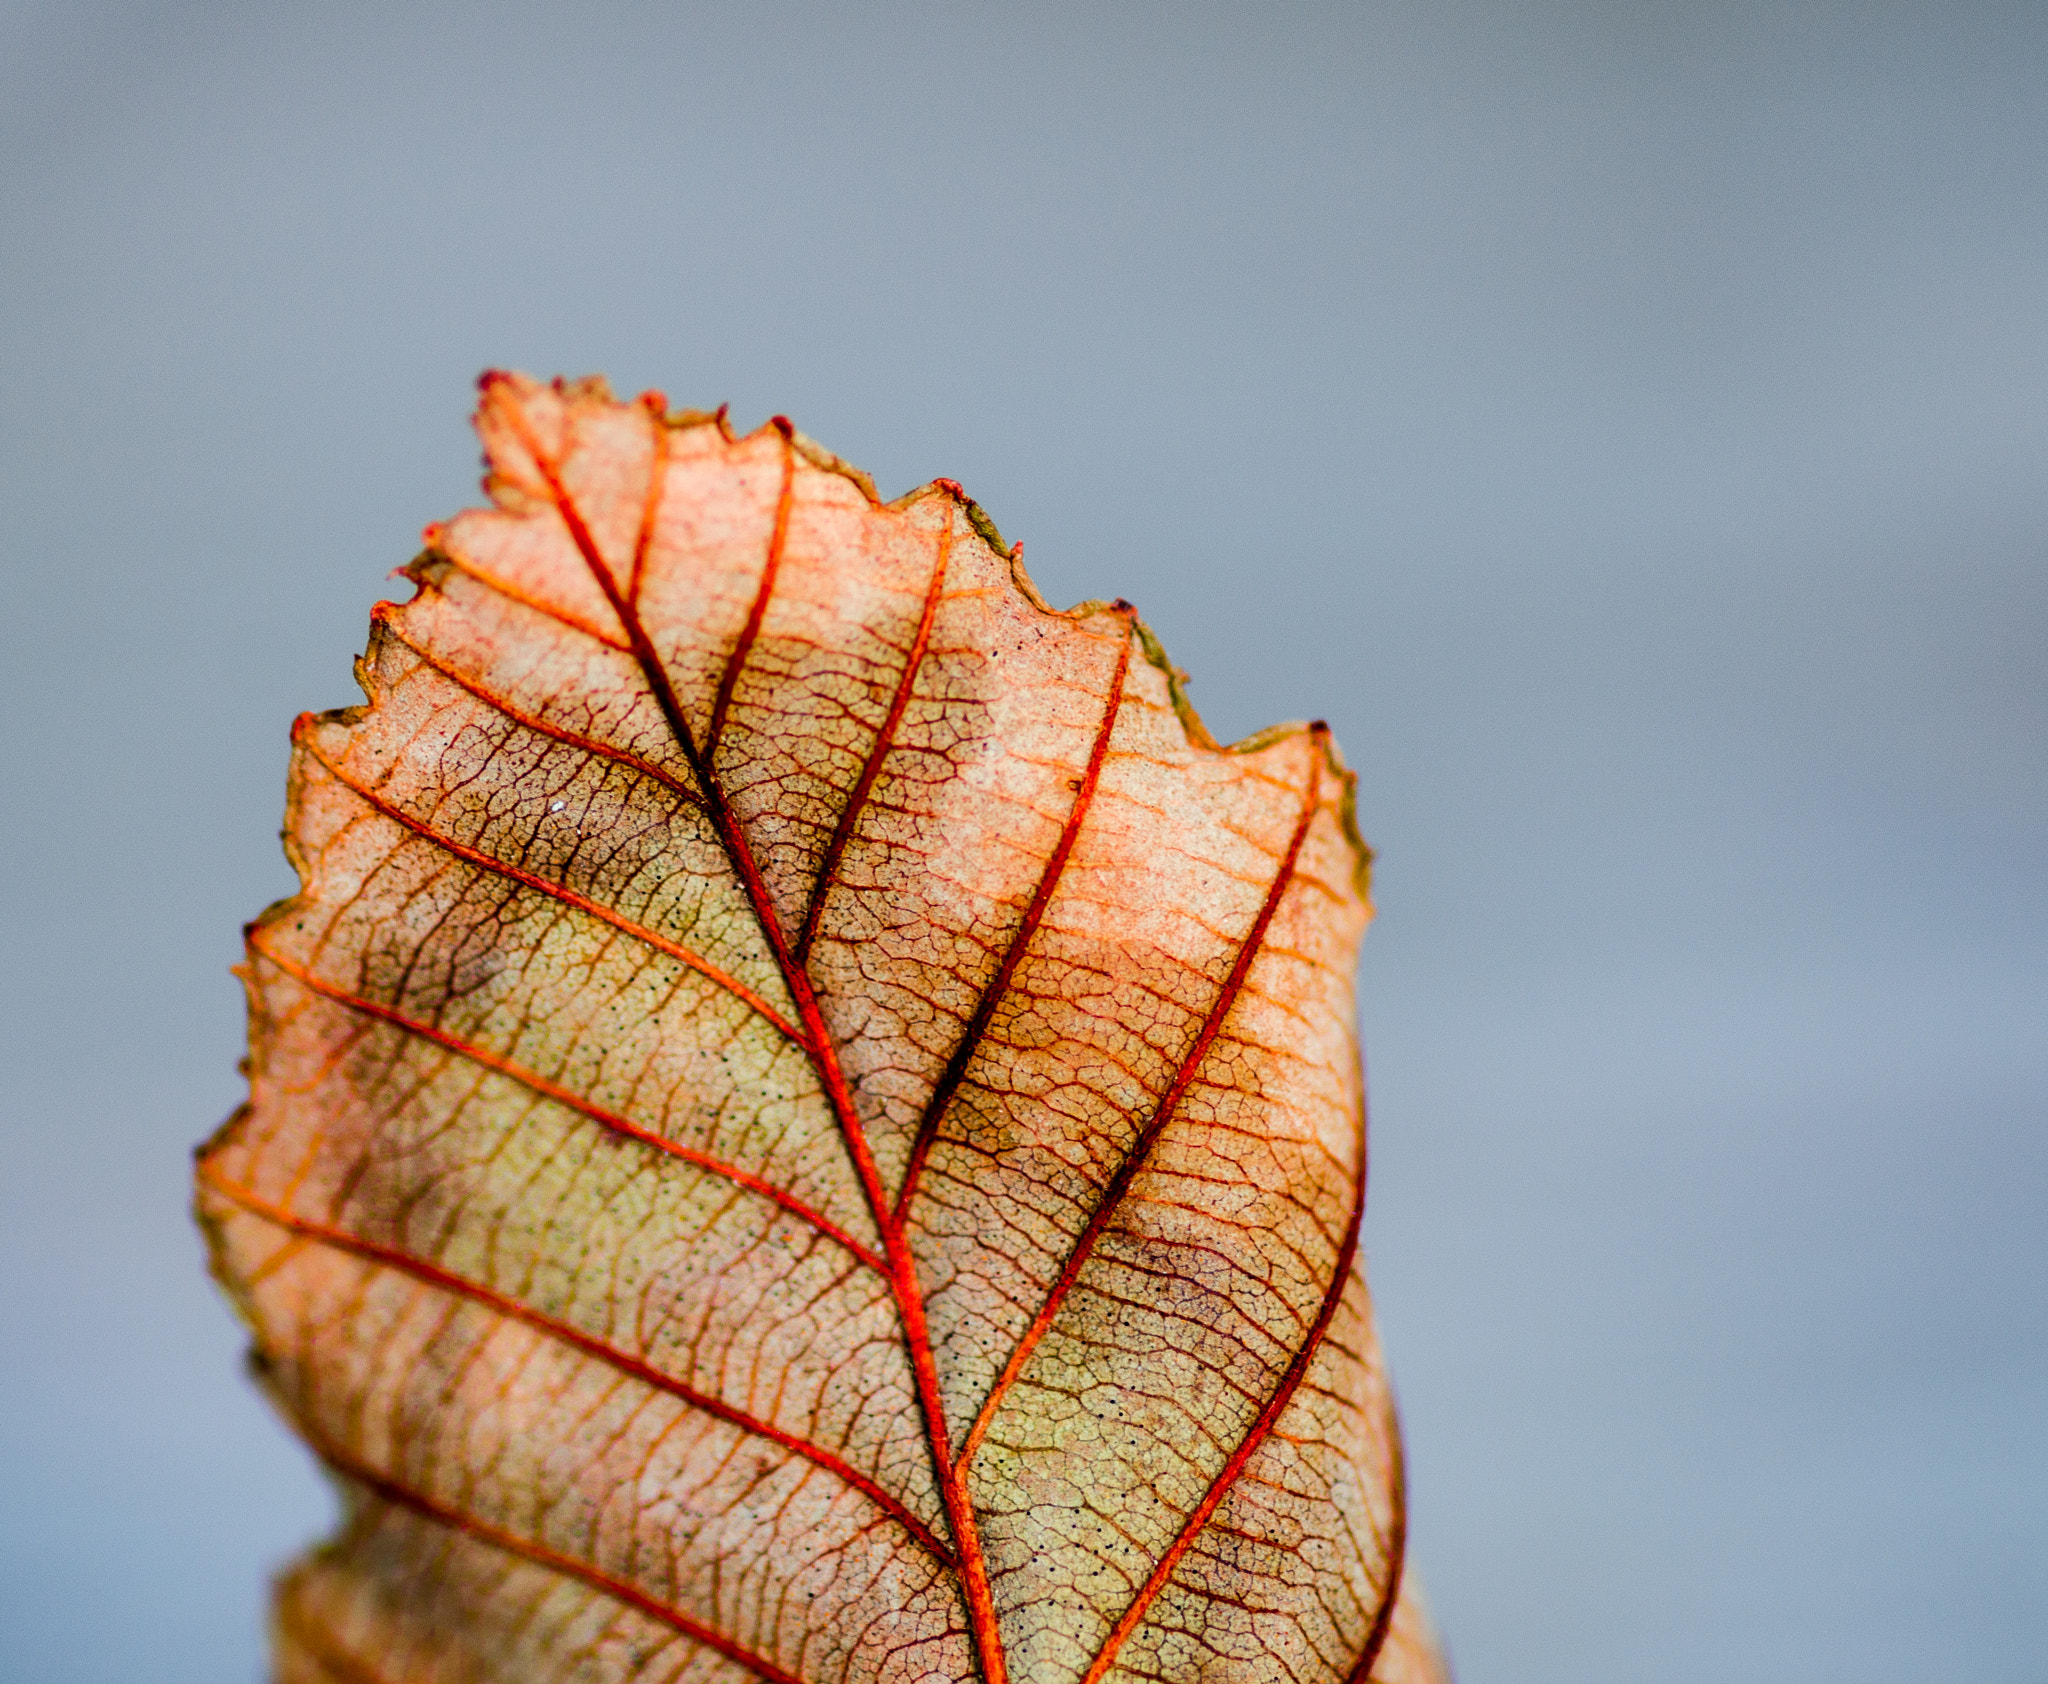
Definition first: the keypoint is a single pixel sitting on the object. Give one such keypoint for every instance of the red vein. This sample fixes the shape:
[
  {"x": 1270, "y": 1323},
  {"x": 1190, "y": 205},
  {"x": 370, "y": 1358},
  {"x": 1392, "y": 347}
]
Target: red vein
[
  {"x": 558, "y": 892},
  {"x": 404, "y": 1496},
  {"x": 624, "y": 1361},
  {"x": 657, "y": 483},
  {"x": 533, "y": 722},
  {"x": 777, "y": 537},
  {"x": 1397, "y": 1561},
  {"x": 526, "y": 599},
  {"x": 574, "y": 1101},
  {"x": 885, "y": 739},
  {"x": 992, "y": 996},
  {"x": 1255, "y": 1436},
  {"x": 1134, "y": 1160},
  {"x": 973, "y": 1570}
]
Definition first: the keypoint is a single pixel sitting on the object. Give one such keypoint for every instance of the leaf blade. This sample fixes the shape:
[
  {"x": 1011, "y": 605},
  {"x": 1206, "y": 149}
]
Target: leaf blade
[{"x": 769, "y": 1005}]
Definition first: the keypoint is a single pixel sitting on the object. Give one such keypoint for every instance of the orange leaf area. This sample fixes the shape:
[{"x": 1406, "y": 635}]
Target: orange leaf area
[{"x": 804, "y": 1122}]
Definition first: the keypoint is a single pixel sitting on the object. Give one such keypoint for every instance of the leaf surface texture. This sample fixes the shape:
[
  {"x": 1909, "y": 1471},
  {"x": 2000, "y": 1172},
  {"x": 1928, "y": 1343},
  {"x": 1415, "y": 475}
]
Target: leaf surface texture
[{"x": 804, "y": 1121}]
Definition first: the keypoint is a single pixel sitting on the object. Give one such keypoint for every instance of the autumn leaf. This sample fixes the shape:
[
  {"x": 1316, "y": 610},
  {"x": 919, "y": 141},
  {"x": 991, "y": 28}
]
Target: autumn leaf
[{"x": 804, "y": 1121}]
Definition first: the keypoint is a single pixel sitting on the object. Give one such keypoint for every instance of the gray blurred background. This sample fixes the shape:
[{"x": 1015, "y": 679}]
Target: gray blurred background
[{"x": 1625, "y": 423}]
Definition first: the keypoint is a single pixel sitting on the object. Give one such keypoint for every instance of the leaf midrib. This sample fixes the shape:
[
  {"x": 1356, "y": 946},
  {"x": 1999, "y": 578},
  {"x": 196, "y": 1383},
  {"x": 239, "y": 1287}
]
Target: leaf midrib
[{"x": 972, "y": 1569}]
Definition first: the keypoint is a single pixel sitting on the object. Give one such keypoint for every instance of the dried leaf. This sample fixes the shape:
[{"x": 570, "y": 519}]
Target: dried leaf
[{"x": 804, "y": 1121}]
